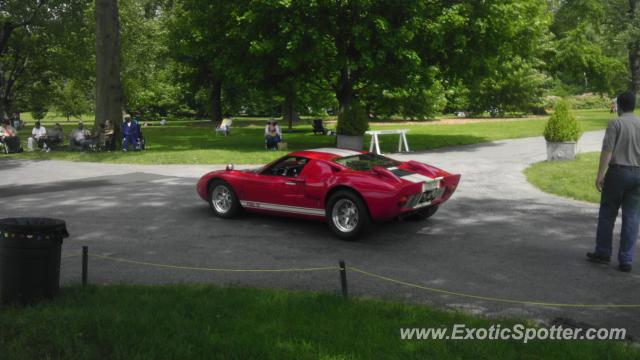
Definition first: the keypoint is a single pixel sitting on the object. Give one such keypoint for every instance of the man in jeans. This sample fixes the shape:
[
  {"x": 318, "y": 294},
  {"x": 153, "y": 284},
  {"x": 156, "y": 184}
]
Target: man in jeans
[{"x": 620, "y": 186}]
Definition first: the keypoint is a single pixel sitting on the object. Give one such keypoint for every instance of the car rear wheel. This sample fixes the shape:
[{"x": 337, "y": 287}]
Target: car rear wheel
[
  {"x": 347, "y": 215},
  {"x": 423, "y": 214},
  {"x": 223, "y": 199}
]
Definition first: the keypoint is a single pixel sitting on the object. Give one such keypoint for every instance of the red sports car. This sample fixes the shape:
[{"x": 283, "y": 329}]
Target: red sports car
[{"x": 348, "y": 189}]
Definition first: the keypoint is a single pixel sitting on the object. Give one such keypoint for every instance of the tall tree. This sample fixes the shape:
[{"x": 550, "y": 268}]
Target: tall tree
[
  {"x": 108, "y": 84},
  {"x": 19, "y": 20},
  {"x": 365, "y": 43},
  {"x": 581, "y": 58},
  {"x": 202, "y": 38},
  {"x": 491, "y": 50},
  {"x": 622, "y": 33},
  {"x": 281, "y": 54},
  {"x": 633, "y": 44}
]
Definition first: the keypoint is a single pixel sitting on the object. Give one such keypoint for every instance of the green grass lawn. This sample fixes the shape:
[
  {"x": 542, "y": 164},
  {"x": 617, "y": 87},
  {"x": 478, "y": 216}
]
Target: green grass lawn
[
  {"x": 183, "y": 142},
  {"x": 573, "y": 179},
  {"x": 207, "y": 322}
]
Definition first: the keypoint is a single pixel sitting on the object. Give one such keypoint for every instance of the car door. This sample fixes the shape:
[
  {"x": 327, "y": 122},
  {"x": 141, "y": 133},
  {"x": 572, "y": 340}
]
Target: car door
[{"x": 279, "y": 187}]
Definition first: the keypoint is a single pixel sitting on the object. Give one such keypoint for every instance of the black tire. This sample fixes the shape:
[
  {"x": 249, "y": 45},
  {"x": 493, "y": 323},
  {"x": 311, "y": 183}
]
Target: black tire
[
  {"x": 233, "y": 208},
  {"x": 362, "y": 220},
  {"x": 423, "y": 214}
]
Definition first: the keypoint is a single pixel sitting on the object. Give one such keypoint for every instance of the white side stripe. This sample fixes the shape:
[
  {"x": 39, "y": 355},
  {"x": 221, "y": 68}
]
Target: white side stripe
[{"x": 282, "y": 208}]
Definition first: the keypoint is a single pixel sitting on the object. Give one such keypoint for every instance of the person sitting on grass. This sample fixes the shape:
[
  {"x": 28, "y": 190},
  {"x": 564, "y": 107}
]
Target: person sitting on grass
[
  {"x": 130, "y": 133},
  {"x": 81, "y": 138},
  {"x": 39, "y": 135},
  {"x": 9, "y": 137},
  {"x": 55, "y": 136},
  {"x": 272, "y": 135},
  {"x": 105, "y": 136}
]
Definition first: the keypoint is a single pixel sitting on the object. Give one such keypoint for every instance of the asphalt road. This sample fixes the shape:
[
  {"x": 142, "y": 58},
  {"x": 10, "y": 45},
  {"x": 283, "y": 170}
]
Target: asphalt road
[{"x": 498, "y": 237}]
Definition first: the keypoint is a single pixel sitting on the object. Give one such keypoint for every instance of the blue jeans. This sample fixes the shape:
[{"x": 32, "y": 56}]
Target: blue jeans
[
  {"x": 621, "y": 189},
  {"x": 130, "y": 140},
  {"x": 272, "y": 142}
]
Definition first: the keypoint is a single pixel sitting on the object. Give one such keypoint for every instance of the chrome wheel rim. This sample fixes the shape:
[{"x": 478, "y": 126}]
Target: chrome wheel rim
[
  {"x": 221, "y": 199},
  {"x": 345, "y": 215}
]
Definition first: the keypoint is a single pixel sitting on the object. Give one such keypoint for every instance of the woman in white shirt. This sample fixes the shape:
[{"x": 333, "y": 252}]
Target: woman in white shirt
[{"x": 273, "y": 135}]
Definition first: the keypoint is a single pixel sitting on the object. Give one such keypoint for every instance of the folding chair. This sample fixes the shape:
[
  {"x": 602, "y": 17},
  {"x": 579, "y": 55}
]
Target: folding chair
[
  {"x": 224, "y": 127},
  {"x": 318, "y": 127}
]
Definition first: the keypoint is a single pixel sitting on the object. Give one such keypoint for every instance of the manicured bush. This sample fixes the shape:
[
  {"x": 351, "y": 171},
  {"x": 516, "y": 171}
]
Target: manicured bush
[
  {"x": 562, "y": 125},
  {"x": 353, "y": 120}
]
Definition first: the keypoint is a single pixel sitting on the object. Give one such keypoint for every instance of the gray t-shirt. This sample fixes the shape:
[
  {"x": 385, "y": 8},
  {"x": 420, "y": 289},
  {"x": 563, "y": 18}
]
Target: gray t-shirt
[{"x": 623, "y": 140}]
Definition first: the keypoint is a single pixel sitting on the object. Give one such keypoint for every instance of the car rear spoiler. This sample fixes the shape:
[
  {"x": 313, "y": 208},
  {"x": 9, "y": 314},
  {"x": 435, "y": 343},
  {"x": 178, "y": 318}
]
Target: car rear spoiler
[{"x": 379, "y": 170}]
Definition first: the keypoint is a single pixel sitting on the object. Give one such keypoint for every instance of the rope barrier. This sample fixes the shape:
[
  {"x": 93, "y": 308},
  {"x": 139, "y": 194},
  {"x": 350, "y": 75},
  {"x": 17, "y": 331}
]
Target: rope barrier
[
  {"x": 343, "y": 267},
  {"x": 491, "y": 299},
  {"x": 323, "y": 268}
]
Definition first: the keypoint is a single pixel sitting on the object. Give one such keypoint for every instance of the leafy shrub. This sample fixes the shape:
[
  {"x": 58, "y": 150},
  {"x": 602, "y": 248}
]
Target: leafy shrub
[
  {"x": 590, "y": 101},
  {"x": 580, "y": 102},
  {"x": 353, "y": 120},
  {"x": 562, "y": 125}
]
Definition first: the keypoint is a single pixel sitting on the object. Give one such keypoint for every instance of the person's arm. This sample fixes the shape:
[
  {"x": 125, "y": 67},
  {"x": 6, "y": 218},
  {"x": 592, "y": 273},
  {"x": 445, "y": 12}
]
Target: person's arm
[
  {"x": 608, "y": 145},
  {"x": 605, "y": 159}
]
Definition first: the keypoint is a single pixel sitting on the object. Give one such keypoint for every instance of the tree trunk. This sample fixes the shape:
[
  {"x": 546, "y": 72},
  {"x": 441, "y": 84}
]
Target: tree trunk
[
  {"x": 344, "y": 93},
  {"x": 5, "y": 34},
  {"x": 634, "y": 65},
  {"x": 634, "y": 51},
  {"x": 216, "y": 102},
  {"x": 289, "y": 111},
  {"x": 3, "y": 108},
  {"x": 109, "y": 98}
]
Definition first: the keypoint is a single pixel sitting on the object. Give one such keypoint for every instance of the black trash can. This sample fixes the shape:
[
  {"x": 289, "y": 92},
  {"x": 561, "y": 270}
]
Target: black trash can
[{"x": 30, "y": 259}]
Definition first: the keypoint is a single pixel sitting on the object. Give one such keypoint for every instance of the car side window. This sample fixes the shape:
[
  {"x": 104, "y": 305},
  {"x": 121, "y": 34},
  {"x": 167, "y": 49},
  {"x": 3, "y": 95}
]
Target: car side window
[{"x": 288, "y": 167}]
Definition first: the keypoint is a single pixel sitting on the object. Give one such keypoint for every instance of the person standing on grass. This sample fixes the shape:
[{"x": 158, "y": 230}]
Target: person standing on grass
[{"x": 619, "y": 182}]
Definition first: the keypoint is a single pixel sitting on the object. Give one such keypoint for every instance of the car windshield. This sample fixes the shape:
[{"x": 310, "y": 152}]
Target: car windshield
[
  {"x": 289, "y": 166},
  {"x": 366, "y": 162}
]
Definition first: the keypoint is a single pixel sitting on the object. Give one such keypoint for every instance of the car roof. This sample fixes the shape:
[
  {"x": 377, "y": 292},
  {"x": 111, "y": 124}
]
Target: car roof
[{"x": 327, "y": 154}]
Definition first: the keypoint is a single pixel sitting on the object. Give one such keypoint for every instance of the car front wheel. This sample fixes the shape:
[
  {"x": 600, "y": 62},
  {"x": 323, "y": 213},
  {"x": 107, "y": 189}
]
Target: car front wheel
[
  {"x": 347, "y": 215},
  {"x": 223, "y": 200}
]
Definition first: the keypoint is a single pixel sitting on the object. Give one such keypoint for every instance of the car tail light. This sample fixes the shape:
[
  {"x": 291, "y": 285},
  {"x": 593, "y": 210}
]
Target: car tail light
[{"x": 403, "y": 200}]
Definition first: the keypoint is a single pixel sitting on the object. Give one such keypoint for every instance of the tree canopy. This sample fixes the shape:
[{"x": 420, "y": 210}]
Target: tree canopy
[{"x": 414, "y": 59}]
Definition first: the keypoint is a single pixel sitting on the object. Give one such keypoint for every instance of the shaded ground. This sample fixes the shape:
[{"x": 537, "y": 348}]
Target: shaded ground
[{"x": 497, "y": 237}]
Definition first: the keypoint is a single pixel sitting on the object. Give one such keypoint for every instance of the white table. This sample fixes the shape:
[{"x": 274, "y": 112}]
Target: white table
[{"x": 375, "y": 142}]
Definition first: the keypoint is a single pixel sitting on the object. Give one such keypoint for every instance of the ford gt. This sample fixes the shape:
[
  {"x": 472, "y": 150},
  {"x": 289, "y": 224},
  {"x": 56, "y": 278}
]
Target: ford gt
[{"x": 347, "y": 189}]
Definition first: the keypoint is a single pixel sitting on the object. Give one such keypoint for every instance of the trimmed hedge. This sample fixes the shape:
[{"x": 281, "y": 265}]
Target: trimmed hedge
[{"x": 562, "y": 125}]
